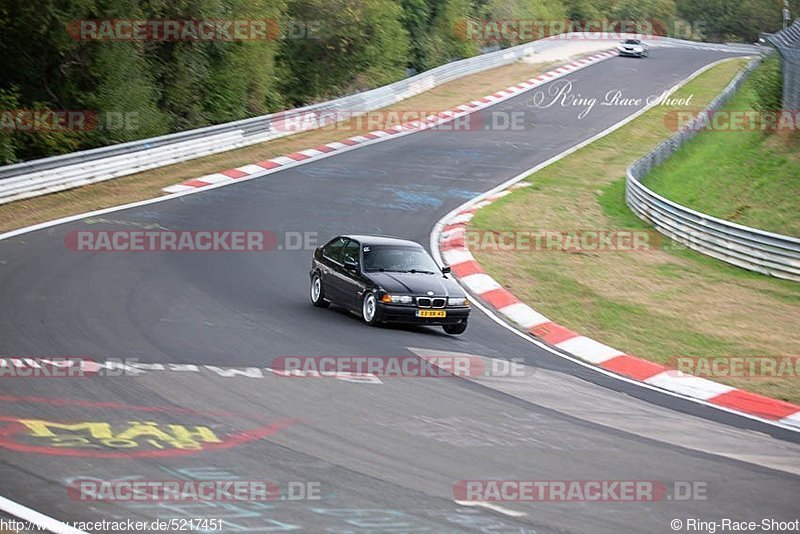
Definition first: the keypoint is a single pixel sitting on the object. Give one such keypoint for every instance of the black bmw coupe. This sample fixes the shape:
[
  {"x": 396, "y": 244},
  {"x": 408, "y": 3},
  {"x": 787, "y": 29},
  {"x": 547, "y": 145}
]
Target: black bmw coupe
[{"x": 387, "y": 279}]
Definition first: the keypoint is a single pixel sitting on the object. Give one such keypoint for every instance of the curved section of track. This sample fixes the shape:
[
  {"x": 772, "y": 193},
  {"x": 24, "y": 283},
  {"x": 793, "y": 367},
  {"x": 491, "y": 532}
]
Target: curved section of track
[{"x": 386, "y": 455}]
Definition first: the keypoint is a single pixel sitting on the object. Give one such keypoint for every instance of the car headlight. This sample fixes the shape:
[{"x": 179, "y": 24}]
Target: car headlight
[
  {"x": 396, "y": 299},
  {"x": 458, "y": 301},
  {"x": 638, "y": 49}
]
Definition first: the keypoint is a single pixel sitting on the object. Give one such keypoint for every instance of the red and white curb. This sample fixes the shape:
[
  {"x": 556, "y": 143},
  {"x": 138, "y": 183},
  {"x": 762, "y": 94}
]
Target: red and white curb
[
  {"x": 455, "y": 253},
  {"x": 275, "y": 164}
]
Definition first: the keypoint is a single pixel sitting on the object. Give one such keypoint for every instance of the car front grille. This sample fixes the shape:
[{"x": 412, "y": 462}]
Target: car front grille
[{"x": 428, "y": 302}]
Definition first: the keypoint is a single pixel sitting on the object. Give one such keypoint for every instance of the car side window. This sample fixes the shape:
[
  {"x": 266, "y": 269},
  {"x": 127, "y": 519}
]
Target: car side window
[
  {"x": 333, "y": 250},
  {"x": 351, "y": 252}
]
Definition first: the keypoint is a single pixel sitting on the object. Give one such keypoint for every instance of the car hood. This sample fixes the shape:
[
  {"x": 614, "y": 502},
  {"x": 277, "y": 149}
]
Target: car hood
[{"x": 416, "y": 284}]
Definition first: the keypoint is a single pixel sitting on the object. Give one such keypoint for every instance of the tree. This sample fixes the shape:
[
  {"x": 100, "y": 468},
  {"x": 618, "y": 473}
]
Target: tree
[
  {"x": 242, "y": 78},
  {"x": 124, "y": 95},
  {"x": 550, "y": 13},
  {"x": 321, "y": 49},
  {"x": 717, "y": 18},
  {"x": 416, "y": 18},
  {"x": 354, "y": 45}
]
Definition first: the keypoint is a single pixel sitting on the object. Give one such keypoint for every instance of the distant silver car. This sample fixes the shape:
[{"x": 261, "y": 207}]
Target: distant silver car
[{"x": 632, "y": 48}]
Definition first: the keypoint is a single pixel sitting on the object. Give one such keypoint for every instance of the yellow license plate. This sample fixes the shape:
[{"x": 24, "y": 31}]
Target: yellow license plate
[{"x": 431, "y": 313}]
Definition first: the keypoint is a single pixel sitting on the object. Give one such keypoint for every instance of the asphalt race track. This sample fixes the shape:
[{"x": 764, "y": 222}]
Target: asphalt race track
[{"x": 386, "y": 456}]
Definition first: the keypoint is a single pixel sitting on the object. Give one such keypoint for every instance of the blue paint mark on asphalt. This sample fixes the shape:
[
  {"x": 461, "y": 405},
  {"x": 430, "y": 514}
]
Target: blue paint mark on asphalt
[
  {"x": 462, "y": 193},
  {"x": 413, "y": 198},
  {"x": 335, "y": 171}
]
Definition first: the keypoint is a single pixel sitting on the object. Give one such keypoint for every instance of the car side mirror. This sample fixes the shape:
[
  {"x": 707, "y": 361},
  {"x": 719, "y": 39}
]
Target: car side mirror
[
  {"x": 446, "y": 269},
  {"x": 350, "y": 264}
]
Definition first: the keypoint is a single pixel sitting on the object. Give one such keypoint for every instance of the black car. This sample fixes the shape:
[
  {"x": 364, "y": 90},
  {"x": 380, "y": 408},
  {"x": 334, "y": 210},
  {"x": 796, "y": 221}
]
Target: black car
[{"x": 386, "y": 279}]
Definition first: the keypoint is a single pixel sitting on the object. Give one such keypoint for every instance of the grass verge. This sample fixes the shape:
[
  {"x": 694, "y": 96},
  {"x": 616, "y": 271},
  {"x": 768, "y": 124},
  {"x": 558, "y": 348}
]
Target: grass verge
[
  {"x": 658, "y": 304},
  {"x": 747, "y": 177},
  {"x": 148, "y": 184}
]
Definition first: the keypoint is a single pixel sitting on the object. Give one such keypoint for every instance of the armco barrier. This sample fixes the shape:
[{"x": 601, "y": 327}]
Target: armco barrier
[
  {"x": 765, "y": 252},
  {"x": 57, "y": 173}
]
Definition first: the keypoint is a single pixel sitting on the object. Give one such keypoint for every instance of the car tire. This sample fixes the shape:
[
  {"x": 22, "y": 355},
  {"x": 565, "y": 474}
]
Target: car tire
[
  {"x": 369, "y": 309},
  {"x": 317, "y": 292},
  {"x": 455, "y": 329}
]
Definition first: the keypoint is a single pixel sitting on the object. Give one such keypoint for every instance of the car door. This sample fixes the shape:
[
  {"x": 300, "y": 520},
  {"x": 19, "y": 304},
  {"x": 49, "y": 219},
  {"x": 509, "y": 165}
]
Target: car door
[
  {"x": 331, "y": 269},
  {"x": 351, "y": 283}
]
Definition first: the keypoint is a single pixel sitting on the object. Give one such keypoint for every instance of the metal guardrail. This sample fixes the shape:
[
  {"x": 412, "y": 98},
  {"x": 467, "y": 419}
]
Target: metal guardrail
[
  {"x": 756, "y": 250},
  {"x": 787, "y": 42},
  {"x": 66, "y": 171}
]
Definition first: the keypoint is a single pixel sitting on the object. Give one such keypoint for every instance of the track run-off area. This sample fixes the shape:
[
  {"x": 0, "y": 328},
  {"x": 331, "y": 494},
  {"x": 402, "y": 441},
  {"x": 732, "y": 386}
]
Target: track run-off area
[{"x": 388, "y": 455}]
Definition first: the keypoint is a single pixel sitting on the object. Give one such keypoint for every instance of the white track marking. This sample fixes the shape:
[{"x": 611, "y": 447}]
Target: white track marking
[
  {"x": 179, "y": 188},
  {"x": 691, "y": 386},
  {"x": 787, "y": 423},
  {"x": 524, "y": 315},
  {"x": 480, "y": 283},
  {"x": 250, "y": 169},
  {"x": 215, "y": 178},
  {"x": 283, "y": 160},
  {"x": 456, "y": 256},
  {"x": 493, "y": 507},
  {"x": 37, "y": 518},
  {"x": 59, "y": 528},
  {"x": 589, "y": 349}
]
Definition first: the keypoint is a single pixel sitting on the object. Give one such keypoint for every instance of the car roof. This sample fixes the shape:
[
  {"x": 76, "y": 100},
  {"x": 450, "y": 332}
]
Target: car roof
[{"x": 382, "y": 240}]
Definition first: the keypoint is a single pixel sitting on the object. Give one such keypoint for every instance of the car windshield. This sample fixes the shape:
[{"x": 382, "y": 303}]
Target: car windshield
[
  {"x": 633, "y": 42},
  {"x": 397, "y": 259}
]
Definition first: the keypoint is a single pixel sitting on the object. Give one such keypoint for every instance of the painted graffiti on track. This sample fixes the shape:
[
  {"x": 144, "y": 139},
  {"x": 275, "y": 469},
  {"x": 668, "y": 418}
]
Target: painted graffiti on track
[{"x": 132, "y": 431}]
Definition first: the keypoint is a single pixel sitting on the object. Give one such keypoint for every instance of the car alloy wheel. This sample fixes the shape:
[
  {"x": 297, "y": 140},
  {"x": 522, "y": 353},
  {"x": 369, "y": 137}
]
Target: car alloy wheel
[
  {"x": 369, "y": 309},
  {"x": 317, "y": 295}
]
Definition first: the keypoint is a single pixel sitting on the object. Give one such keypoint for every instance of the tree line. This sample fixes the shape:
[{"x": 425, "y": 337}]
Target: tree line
[{"x": 314, "y": 50}]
